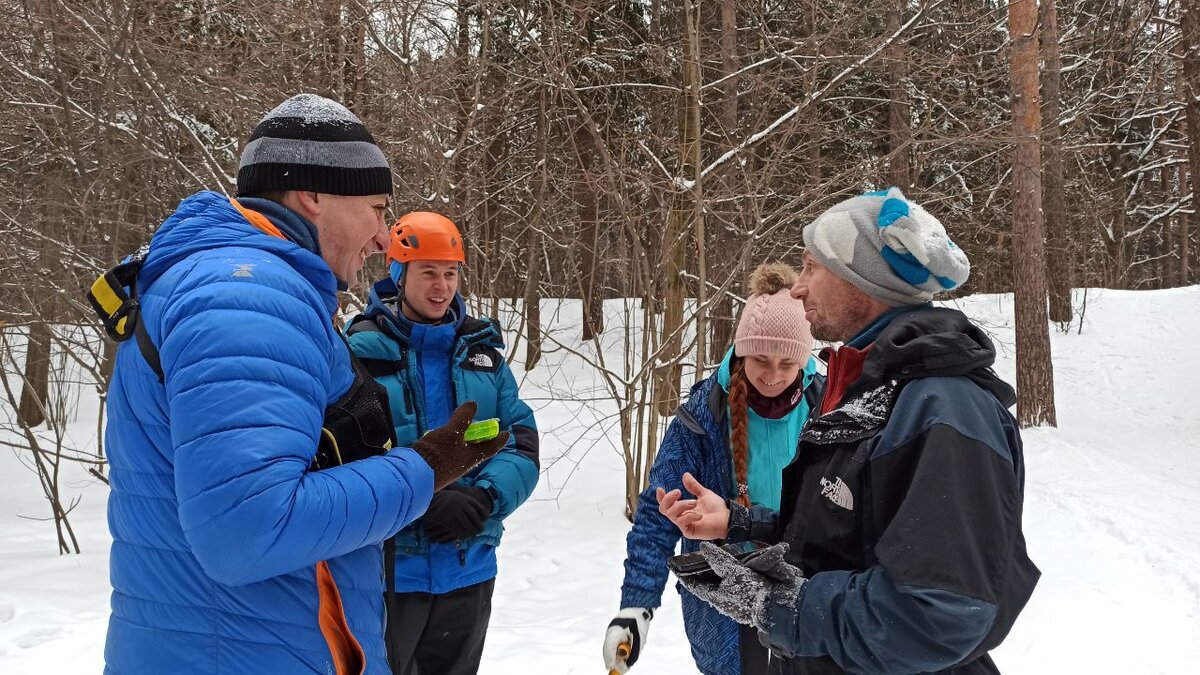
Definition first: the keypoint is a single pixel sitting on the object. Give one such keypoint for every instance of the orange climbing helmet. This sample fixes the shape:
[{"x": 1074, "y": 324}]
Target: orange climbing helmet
[{"x": 425, "y": 235}]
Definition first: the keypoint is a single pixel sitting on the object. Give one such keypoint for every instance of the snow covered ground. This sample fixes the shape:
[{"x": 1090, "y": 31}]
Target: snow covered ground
[{"x": 1112, "y": 517}]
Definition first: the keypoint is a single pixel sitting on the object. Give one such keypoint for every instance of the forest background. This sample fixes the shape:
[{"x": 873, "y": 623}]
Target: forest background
[{"x": 637, "y": 150}]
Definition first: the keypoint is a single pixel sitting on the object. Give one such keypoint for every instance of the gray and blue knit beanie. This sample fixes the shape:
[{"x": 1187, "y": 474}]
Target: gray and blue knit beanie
[
  {"x": 888, "y": 247},
  {"x": 313, "y": 144}
]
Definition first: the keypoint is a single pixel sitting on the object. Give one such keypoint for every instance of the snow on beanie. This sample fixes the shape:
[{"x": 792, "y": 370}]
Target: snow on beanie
[
  {"x": 772, "y": 322},
  {"x": 888, "y": 247},
  {"x": 313, "y": 144}
]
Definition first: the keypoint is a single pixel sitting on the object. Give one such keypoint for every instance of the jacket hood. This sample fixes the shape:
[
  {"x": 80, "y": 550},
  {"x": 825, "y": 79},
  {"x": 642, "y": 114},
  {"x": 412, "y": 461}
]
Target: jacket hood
[
  {"x": 934, "y": 342},
  {"x": 705, "y": 409},
  {"x": 385, "y": 297},
  {"x": 208, "y": 220}
]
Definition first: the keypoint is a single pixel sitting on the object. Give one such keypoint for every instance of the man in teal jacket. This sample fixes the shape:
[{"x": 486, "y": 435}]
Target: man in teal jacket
[
  {"x": 419, "y": 342},
  {"x": 236, "y": 548}
]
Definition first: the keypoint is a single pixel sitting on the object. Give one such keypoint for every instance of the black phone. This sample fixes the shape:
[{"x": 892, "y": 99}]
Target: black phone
[{"x": 694, "y": 567}]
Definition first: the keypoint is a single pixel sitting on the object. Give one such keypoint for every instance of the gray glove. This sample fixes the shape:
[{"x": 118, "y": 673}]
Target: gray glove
[{"x": 747, "y": 589}]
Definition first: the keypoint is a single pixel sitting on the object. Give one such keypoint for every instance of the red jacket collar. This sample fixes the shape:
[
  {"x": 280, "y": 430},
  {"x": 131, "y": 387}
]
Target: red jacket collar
[{"x": 844, "y": 366}]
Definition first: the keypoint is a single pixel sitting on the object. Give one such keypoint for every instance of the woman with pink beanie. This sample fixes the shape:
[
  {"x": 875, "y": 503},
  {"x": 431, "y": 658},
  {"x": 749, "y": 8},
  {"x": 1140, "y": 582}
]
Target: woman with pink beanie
[{"x": 736, "y": 432}]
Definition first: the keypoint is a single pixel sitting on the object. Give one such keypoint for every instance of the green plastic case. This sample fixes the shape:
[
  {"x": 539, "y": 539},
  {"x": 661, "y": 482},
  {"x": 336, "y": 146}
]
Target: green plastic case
[{"x": 484, "y": 430}]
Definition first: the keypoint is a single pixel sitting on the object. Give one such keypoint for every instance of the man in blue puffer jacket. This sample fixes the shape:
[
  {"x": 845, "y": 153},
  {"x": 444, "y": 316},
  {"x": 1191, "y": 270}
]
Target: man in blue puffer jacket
[
  {"x": 419, "y": 342},
  {"x": 229, "y": 554}
]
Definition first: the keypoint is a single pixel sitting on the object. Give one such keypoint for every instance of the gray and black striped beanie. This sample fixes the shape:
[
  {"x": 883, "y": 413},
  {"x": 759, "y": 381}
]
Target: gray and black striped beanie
[
  {"x": 888, "y": 247},
  {"x": 311, "y": 143}
]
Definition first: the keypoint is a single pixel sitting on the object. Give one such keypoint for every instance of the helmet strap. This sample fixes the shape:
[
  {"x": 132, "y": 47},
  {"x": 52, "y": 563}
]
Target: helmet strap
[
  {"x": 405, "y": 303},
  {"x": 424, "y": 319},
  {"x": 421, "y": 317}
]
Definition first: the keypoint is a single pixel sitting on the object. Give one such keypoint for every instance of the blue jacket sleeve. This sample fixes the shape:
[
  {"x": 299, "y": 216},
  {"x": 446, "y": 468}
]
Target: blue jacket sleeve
[
  {"x": 248, "y": 377},
  {"x": 512, "y": 474},
  {"x": 867, "y": 623},
  {"x": 653, "y": 538}
]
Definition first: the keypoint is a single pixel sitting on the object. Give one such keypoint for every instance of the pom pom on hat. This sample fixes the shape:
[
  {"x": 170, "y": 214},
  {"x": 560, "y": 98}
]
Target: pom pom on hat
[{"x": 888, "y": 247}]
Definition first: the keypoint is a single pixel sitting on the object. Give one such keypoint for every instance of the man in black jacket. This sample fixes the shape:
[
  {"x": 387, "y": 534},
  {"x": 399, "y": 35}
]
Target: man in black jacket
[{"x": 900, "y": 523}]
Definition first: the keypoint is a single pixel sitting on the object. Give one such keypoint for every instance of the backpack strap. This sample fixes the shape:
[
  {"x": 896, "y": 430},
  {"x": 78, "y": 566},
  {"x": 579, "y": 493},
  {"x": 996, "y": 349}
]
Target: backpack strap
[
  {"x": 362, "y": 324},
  {"x": 120, "y": 310},
  {"x": 377, "y": 368}
]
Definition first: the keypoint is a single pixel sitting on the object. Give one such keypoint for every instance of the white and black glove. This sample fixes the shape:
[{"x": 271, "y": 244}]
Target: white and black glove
[{"x": 629, "y": 627}]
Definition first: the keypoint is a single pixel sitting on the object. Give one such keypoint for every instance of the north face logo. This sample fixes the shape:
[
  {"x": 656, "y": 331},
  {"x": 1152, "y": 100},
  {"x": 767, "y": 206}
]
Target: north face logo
[
  {"x": 243, "y": 270},
  {"x": 837, "y": 492},
  {"x": 481, "y": 360}
]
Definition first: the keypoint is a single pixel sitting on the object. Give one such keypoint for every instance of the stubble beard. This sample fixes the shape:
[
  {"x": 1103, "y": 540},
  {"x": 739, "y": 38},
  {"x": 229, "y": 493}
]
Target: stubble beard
[
  {"x": 823, "y": 331},
  {"x": 852, "y": 319}
]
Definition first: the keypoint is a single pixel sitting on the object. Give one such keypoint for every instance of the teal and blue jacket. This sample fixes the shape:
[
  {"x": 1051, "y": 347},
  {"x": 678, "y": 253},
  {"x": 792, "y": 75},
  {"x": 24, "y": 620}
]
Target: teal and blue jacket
[
  {"x": 218, "y": 524},
  {"x": 697, "y": 441},
  {"x": 428, "y": 371},
  {"x": 773, "y": 440}
]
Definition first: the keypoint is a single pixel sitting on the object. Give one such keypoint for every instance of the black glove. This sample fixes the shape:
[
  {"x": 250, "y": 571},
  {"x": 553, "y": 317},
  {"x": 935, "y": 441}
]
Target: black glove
[
  {"x": 747, "y": 589},
  {"x": 456, "y": 513},
  {"x": 448, "y": 454}
]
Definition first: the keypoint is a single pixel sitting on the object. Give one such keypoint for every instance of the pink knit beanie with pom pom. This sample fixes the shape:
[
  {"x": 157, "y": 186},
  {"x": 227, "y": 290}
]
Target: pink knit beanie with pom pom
[{"x": 772, "y": 322}]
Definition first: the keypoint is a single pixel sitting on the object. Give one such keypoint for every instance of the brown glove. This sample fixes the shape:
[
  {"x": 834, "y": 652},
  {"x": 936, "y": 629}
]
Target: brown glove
[{"x": 448, "y": 454}]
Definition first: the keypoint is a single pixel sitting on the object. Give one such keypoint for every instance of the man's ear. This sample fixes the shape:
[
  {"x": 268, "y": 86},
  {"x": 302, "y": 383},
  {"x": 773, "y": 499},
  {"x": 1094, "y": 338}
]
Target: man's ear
[{"x": 309, "y": 203}]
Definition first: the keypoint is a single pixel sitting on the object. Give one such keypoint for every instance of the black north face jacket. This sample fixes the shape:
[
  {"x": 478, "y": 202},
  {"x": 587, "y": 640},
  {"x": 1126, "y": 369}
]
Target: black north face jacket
[{"x": 903, "y": 509}]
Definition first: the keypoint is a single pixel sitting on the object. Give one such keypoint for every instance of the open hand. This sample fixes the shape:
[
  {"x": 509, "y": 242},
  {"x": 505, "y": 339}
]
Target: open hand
[{"x": 705, "y": 517}]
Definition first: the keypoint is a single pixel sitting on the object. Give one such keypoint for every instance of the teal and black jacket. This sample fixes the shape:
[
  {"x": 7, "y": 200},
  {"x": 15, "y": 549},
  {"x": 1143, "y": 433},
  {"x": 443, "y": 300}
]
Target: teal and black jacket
[{"x": 405, "y": 358}]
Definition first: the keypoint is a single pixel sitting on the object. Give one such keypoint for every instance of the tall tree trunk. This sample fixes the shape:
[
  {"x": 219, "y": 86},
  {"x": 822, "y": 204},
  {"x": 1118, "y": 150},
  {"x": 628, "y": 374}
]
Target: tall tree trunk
[
  {"x": 1166, "y": 176},
  {"x": 1184, "y": 231},
  {"x": 681, "y": 222},
  {"x": 35, "y": 392},
  {"x": 457, "y": 189},
  {"x": 727, "y": 108},
  {"x": 331, "y": 24},
  {"x": 721, "y": 319},
  {"x": 1171, "y": 231},
  {"x": 815, "y": 168},
  {"x": 1190, "y": 11},
  {"x": 1116, "y": 264},
  {"x": 692, "y": 110},
  {"x": 533, "y": 244},
  {"x": 588, "y": 202},
  {"x": 1035, "y": 371},
  {"x": 533, "y": 298},
  {"x": 1058, "y": 242},
  {"x": 354, "y": 70},
  {"x": 587, "y": 189},
  {"x": 899, "y": 116}
]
